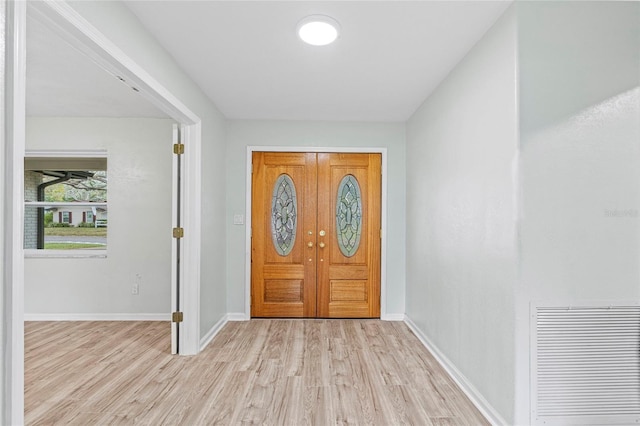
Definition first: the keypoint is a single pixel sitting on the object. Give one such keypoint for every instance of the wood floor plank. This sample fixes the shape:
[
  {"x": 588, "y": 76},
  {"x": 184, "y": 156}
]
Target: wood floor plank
[
  {"x": 318, "y": 406},
  {"x": 287, "y": 406},
  {"x": 294, "y": 352},
  {"x": 406, "y": 408},
  {"x": 316, "y": 363},
  {"x": 270, "y": 372}
]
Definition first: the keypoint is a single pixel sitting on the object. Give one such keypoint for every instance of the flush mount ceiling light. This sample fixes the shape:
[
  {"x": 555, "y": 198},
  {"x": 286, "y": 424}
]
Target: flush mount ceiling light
[{"x": 318, "y": 30}]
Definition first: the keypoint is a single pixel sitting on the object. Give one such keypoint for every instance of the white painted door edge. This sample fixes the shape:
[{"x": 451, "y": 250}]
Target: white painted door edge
[{"x": 13, "y": 275}]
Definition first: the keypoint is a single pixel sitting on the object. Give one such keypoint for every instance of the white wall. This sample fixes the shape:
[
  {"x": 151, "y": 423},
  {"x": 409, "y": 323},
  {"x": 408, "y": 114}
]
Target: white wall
[
  {"x": 213, "y": 296},
  {"x": 580, "y": 97},
  {"x": 139, "y": 169},
  {"x": 4, "y": 345},
  {"x": 462, "y": 152},
  {"x": 315, "y": 134},
  {"x": 580, "y": 143},
  {"x": 122, "y": 27}
]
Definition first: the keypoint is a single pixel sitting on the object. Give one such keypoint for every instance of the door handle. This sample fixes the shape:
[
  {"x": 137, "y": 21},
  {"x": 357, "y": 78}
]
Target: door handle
[
  {"x": 310, "y": 244},
  {"x": 321, "y": 245}
]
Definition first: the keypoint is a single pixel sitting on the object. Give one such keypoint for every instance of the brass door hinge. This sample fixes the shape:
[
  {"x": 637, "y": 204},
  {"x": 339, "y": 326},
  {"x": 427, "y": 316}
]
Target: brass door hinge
[
  {"x": 178, "y": 232},
  {"x": 178, "y": 148},
  {"x": 176, "y": 317},
  {"x": 380, "y": 233}
]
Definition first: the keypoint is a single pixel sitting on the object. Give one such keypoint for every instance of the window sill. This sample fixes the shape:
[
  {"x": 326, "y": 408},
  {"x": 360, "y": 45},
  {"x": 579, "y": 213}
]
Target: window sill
[{"x": 65, "y": 254}]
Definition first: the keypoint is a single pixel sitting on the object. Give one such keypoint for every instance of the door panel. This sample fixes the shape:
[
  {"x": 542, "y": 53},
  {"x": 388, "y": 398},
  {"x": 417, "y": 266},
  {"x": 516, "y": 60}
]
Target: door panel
[
  {"x": 283, "y": 285},
  {"x": 316, "y": 277},
  {"x": 349, "y": 286}
]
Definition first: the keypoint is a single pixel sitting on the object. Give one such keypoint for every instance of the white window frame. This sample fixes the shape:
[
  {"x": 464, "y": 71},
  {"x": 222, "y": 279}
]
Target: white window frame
[{"x": 53, "y": 154}]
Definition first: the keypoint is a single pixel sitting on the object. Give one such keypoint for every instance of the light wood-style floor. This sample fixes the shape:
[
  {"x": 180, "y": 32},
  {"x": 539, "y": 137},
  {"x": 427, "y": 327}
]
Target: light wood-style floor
[{"x": 272, "y": 372}]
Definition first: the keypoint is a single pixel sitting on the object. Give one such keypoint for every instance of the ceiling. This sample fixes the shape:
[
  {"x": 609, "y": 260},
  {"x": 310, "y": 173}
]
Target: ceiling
[
  {"x": 247, "y": 59},
  {"x": 63, "y": 82}
]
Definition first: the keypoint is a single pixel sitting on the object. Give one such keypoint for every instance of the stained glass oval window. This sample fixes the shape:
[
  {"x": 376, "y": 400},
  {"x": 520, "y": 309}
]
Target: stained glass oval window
[
  {"x": 349, "y": 215},
  {"x": 284, "y": 215}
]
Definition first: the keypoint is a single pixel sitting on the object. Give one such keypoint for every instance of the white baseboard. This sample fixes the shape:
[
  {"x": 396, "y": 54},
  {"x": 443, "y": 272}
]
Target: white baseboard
[
  {"x": 461, "y": 380},
  {"x": 392, "y": 317},
  {"x": 207, "y": 338},
  {"x": 238, "y": 316},
  {"x": 97, "y": 317}
]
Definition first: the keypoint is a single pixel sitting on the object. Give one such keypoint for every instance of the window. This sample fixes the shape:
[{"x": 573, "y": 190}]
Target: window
[
  {"x": 65, "y": 204},
  {"x": 65, "y": 217}
]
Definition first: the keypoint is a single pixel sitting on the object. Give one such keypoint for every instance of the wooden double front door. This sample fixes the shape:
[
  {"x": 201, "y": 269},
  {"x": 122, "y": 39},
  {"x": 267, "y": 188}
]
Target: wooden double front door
[{"x": 315, "y": 246}]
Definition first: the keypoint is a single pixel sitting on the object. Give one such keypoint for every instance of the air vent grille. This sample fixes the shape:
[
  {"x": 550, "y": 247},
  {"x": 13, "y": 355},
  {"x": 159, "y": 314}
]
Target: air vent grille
[{"x": 586, "y": 365}]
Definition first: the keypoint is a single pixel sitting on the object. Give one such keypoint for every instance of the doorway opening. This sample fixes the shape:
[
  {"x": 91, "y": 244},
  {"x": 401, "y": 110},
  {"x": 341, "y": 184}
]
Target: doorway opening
[
  {"x": 65, "y": 21},
  {"x": 85, "y": 126}
]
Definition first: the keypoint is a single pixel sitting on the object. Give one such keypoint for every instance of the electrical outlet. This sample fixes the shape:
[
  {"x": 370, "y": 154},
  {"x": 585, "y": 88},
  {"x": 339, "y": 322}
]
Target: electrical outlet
[{"x": 135, "y": 289}]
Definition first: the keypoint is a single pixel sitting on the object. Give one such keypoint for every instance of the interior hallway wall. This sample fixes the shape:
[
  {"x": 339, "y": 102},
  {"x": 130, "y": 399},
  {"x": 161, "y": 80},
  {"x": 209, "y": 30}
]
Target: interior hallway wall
[
  {"x": 139, "y": 170},
  {"x": 124, "y": 29},
  {"x": 580, "y": 121},
  {"x": 462, "y": 153},
  {"x": 243, "y": 133},
  {"x": 580, "y": 143},
  {"x": 5, "y": 346}
]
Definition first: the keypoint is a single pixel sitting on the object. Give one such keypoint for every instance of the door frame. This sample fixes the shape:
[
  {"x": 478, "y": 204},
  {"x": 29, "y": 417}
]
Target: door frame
[
  {"x": 383, "y": 217},
  {"x": 81, "y": 34}
]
